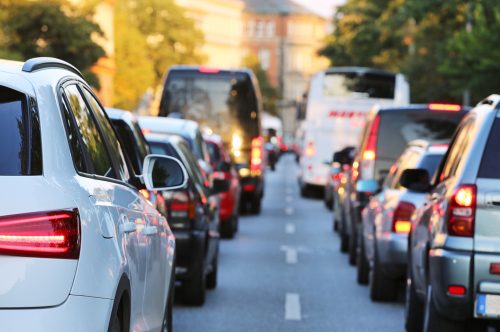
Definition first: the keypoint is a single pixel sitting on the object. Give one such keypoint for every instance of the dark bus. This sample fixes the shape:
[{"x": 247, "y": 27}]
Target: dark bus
[{"x": 230, "y": 104}]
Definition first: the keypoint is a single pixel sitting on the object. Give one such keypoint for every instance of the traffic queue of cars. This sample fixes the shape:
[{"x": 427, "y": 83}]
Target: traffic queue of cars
[
  {"x": 106, "y": 212},
  {"x": 415, "y": 203}
]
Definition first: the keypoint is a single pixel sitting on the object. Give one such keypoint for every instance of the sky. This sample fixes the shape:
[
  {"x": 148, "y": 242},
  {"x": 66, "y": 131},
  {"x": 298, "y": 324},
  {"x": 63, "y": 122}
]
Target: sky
[{"x": 322, "y": 7}]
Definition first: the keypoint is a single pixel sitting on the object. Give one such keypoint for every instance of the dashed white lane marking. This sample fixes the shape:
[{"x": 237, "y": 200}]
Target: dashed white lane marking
[
  {"x": 289, "y": 210},
  {"x": 290, "y": 229},
  {"x": 288, "y": 199},
  {"x": 292, "y": 306},
  {"x": 291, "y": 254}
]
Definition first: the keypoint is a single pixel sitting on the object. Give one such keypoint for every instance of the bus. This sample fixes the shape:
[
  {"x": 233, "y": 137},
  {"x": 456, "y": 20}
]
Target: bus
[
  {"x": 336, "y": 107},
  {"x": 229, "y": 103}
]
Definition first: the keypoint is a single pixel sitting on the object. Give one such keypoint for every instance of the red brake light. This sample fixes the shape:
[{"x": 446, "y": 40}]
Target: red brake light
[
  {"x": 461, "y": 211},
  {"x": 494, "y": 268},
  {"x": 444, "y": 107},
  {"x": 182, "y": 206},
  {"x": 53, "y": 234},
  {"x": 310, "y": 149},
  {"x": 401, "y": 220},
  {"x": 146, "y": 131},
  {"x": 207, "y": 70},
  {"x": 456, "y": 290},
  {"x": 256, "y": 154},
  {"x": 371, "y": 142}
]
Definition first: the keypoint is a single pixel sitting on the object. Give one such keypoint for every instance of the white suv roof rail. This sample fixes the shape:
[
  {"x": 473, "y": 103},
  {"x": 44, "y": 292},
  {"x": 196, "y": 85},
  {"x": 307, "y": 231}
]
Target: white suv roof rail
[{"x": 35, "y": 64}]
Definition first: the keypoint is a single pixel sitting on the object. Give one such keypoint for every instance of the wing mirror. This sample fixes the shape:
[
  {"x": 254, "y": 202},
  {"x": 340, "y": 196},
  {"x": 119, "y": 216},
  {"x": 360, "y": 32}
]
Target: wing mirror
[
  {"x": 368, "y": 187},
  {"x": 163, "y": 173},
  {"x": 417, "y": 179},
  {"x": 220, "y": 186}
]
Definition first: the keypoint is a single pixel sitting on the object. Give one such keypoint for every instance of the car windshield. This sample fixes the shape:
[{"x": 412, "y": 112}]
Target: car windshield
[
  {"x": 20, "y": 147},
  {"x": 358, "y": 84}
]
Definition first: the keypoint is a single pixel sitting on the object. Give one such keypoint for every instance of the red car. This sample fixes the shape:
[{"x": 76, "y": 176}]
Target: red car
[{"x": 223, "y": 169}]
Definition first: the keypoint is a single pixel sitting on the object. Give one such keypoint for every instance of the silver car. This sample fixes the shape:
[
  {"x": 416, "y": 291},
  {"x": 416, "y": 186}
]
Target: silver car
[
  {"x": 386, "y": 222},
  {"x": 80, "y": 248},
  {"x": 454, "y": 247}
]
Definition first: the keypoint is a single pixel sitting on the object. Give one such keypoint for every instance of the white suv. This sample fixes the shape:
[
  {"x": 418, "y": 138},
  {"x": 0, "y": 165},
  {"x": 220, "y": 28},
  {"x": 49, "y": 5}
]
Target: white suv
[{"x": 80, "y": 248}]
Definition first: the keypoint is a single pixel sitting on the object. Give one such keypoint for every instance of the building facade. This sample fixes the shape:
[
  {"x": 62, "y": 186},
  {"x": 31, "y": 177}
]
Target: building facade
[
  {"x": 286, "y": 38},
  {"x": 221, "y": 22}
]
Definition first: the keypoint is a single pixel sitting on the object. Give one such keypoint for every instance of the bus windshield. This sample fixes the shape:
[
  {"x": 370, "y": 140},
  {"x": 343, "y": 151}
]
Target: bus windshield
[
  {"x": 225, "y": 102},
  {"x": 359, "y": 84}
]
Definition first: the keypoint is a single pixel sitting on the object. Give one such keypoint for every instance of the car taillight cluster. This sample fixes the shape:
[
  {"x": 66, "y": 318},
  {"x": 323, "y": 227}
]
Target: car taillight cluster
[
  {"x": 367, "y": 163},
  {"x": 401, "y": 220},
  {"x": 310, "y": 149},
  {"x": 461, "y": 211},
  {"x": 256, "y": 154},
  {"x": 181, "y": 206},
  {"x": 54, "y": 234}
]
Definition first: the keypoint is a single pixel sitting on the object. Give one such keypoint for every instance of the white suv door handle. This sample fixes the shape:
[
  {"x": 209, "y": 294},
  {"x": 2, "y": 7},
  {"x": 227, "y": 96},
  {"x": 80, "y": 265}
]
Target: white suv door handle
[
  {"x": 128, "y": 227},
  {"x": 150, "y": 230}
]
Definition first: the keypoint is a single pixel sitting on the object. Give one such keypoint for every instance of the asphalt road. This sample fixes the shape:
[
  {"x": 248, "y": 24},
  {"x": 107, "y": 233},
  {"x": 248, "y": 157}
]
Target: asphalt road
[{"x": 284, "y": 272}]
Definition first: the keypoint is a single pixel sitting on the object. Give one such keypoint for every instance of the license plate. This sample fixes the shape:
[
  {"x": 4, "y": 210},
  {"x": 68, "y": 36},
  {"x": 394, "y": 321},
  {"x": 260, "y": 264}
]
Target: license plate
[{"x": 488, "y": 305}]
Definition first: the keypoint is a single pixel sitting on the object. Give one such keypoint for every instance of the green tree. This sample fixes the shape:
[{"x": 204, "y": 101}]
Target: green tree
[
  {"x": 134, "y": 74},
  {"x": 270, "y": 94},
  {"x": 171, "y": 37},
  {"x": 51, "y": 28}
]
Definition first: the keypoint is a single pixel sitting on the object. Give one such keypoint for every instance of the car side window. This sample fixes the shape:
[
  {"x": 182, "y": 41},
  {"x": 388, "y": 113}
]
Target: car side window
[
  {"x": 93, "y": 143},
  {"x": 456, "y": 150},
  {"x": 113, "y": 143}
]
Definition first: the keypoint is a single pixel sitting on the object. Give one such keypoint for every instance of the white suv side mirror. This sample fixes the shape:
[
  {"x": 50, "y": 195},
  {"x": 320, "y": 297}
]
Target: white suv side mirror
[{"x": 163, "y": 173}]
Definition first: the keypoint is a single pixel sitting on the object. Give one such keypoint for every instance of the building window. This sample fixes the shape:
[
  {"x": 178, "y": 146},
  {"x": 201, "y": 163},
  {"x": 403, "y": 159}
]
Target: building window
[
  {"x": 250, "y": 28},
  {"x": 265, "y": 58},
  {"x": 260, "y": 29},
  {"x": 270, "y": 29}
]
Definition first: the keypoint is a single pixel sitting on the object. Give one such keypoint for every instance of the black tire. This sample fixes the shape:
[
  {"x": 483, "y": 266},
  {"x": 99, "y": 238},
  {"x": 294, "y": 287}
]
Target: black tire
[
  {"x": 236, "y": 223},
  {"x": 434, "y": 321},
  {"x": 382, "y": 289},
  {"x": 256, "y": 205},
  {"x": 119, "y": 320},
  {"x": 115, "y": 324},
  {"x": 227, "y": 228},
  {"x": 212, "y": 276},
  {"x": 304, "y": 191},
  {"x": 328, "y": 201},
  {"x": 335, "y": 225},
  {"x": 414, "y": 308},
  {"x": 363, "y": 267},
  {"x": 193, "y": 289},
  {"x": 344, "y": 241},
  {"x": 353, "y": 244}
]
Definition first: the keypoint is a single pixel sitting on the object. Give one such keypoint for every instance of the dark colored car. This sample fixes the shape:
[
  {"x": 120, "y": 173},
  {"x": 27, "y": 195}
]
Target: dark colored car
[
  {"x": 136, "y": 149},
  {"x": 192, "y": 220},
  {"x": 387, "y": 132},
  {"x": 454, "y": 245},
  {"x": 229, "y": 102},
  {"x": 230, "y": 199}
]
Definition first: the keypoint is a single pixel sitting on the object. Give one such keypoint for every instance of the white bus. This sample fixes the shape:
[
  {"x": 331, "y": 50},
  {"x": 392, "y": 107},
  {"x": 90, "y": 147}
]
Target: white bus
[{"x": 337, "y": 103}]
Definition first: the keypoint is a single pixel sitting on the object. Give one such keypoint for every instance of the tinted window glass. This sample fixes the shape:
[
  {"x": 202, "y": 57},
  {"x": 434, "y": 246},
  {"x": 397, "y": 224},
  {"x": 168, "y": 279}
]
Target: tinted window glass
[
  {"x": 357, "y": 84},
  {"x": 112, "y": 141},
  {"x": 191, "y": 163},
  {"x": 127, "y": 139},
  {"x": 92, "y": 139},
  {"x": 455, "y": 152},
  {"x": 163, "y": 149},
  {"x": 213, "y": 150},
  {"x": 491, "y": 157},
  {"x": 225, "y": 102},
  {"x": 398, "y": 128},
  {"x": 430, "y": 163},
  {"x": 20, "y": 152}
]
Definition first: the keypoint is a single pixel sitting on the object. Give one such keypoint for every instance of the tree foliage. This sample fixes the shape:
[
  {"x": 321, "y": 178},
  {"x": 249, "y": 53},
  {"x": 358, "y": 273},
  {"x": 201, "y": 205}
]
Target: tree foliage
[
  {"x": 51, "y": 28},
  {"x": 270, "y": 94},
  {"x": 150, "y": 36},
  {"x": 425, "y": 39}
]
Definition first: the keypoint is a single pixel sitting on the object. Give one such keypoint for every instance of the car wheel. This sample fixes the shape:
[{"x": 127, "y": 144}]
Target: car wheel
[
  {"x": 335, "y": 225},
  {"x": 352, "y": 249},
  {"x": 256, "y": 205},
  {"x": 363, "y": 268},
  {"x": 344, "y": 241},
  {"x": 382, "y": 289},
  {"x": 236, "y": 223},
  {"x": 193, "y": 289},
  {"x": 212, "y": 276},
  {"x": 227, "y": 228},
  {"x": 434, "y": 321},
  {"x": 304, "y": 191},
  {"x": 414, "y": 308}
]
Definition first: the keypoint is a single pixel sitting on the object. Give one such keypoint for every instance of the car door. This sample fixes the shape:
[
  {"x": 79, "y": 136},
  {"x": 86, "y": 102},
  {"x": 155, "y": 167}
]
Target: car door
[{"x": 112, "y": 197}]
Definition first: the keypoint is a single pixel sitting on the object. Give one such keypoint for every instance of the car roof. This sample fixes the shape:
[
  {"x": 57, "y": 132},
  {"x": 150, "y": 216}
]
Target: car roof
[
  {"x": 210, "y": 70},
  {"x": 164, "y": 125},
  {"x": 119, "y": 114},
  {"x": 164, "y": 138},
  {"x": 361, "y": 70}
]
